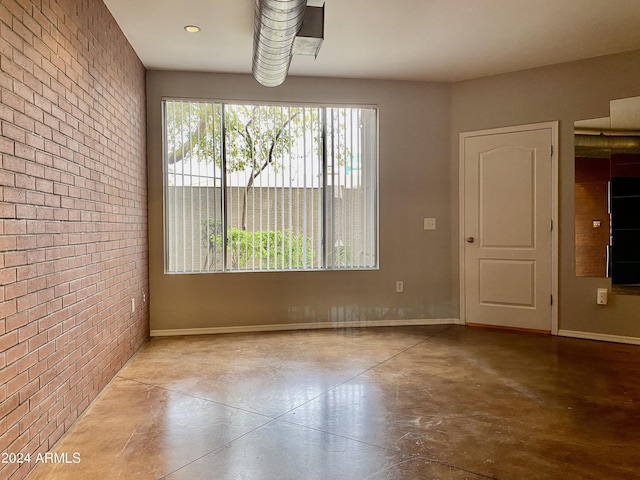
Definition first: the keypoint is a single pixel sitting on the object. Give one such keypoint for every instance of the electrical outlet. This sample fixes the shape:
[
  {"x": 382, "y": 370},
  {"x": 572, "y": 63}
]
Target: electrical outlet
[
  {"x": 399, "y": 286},
  {"x": 601, "y": 296},
  {"x": 133, "y": 305},
  {"x": 144, "y": 297}
]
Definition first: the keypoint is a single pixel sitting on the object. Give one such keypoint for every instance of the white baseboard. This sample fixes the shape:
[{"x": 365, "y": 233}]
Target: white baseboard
[
  {"x": 304, "y": 326},
  {"x": 602, "y": 337}
]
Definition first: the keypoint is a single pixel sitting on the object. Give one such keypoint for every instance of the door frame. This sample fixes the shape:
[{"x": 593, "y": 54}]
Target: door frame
[{"x": 553, "y": 126}]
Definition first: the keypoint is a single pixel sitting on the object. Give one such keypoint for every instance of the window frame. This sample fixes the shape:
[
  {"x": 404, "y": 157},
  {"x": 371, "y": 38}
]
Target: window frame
[{"x": 323, "y": 107}]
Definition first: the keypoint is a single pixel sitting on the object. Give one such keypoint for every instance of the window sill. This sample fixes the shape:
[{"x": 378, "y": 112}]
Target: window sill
[{"x": 624, "y": 290}]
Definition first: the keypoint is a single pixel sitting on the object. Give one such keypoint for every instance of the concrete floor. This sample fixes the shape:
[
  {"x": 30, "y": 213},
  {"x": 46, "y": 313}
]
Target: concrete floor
[{"x": 385, "y": 403}]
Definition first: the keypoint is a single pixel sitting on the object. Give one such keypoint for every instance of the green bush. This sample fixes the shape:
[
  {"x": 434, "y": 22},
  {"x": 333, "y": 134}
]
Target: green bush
[{"x": 262, "y": 249}]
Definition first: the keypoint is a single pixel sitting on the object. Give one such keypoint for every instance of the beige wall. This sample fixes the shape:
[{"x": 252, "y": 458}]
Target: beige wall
[
  {"x": 566, "y": 92},
  {"x": 415, "y": 179},
  {"x": 420, "y": 125}
]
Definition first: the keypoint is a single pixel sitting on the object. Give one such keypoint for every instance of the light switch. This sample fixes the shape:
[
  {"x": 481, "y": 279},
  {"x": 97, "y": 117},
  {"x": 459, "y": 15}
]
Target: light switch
[{"x": 429, "y": 223}]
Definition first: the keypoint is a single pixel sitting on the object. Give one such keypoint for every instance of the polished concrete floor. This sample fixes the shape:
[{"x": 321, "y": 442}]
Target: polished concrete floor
[{"x": 436, "y": 402}]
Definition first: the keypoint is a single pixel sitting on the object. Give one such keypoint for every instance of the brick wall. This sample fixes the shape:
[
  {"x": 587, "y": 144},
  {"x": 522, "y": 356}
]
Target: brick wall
[
  {"x": 591, "y": 203},
  {"x": 73, "y": 215}
]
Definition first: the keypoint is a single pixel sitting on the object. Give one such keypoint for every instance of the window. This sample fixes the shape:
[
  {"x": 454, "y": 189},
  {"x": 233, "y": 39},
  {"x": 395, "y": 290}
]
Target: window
[{"x": 269, "y": 187}]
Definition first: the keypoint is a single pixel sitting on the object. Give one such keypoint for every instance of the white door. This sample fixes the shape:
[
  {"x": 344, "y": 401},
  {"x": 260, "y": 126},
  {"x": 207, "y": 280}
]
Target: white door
[{"x": 507, "y": 227}]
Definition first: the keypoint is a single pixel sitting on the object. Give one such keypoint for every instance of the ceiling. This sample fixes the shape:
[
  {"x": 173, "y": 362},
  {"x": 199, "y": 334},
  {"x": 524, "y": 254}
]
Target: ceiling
[{"x": 433, "y": 40}]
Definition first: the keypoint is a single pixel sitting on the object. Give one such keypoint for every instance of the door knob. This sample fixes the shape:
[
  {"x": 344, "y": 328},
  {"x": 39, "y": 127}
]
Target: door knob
[{"x": 470, "y": 239}]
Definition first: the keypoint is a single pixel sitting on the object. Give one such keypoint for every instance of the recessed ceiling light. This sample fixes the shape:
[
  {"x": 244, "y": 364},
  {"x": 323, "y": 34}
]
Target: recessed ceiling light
[{"x": 192, "y": 28}]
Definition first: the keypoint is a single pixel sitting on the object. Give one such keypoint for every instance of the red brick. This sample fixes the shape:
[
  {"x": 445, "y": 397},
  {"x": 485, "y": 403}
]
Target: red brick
[
  {"x": 10, "y": 99},
  {"x": 34, "y": 112},
  {"x": 35, "y": 227},
  {"x": 14, "y": 259},
  {"x": 27, "y": 302},
  {"x": 17, "y": 73},
  {"x": 14, "y": 195},
  {"x": 8, "y": 308},
  {"x": 37, "y": 341},
  {"x": 26, "y": 332},
  {"x": 44, "y": 213},
  {"x": 34, "y": 55},
  {"x": 26, "y": 272},
  {"x": 36, "y": 256},
  {"x": 26, "y": 362},
  {"x": 35, "y": 169},
  {"x": 7, "y": 243},
  {"x": 5, "y": 15},
  {"x": 23, "y": 91},
  {"x": 23, "y": 61},
  {"x": 13, "y": 132},
  {"x": 14, "y": 9},
  {"x": 6, "y": 374},
  {"x": 13, "y": 164},
  {"x": 47, "y": 22},
  {"x": 82, "y": 170},
  {"x": 7, "y": 341},
  {"x": 7, "y": 178},
  {"x": 18, "y": 320},
  {"x": 14, "y": 416},
  {"x": 9, "y": 405},
  {"x": 45, "y": 295},
  {"x": 30, "y": 418},
  {"x": 7, "y": 145},
  {"x": 49, "y": 429},
  {"x": 26, "y": 392},
  {"x": 37, "y": 370},
  {"x": 6, "y": 81},
  {"x": 6, "y": 113},
  {"x": 15, "y": 290},
  {"x": 25, "y": 211},
  {"x": 15, "y": 227},
  {"x": 24, "y": 151},
  {"x": 37, "y": 312},
  {"x": 36, "y": 284},
  {"x": 26, "y": 242},
  {"x": 57, "y": 433},
  {"x": 13, "y": 355},
  {"x": 25, "y": 182}
]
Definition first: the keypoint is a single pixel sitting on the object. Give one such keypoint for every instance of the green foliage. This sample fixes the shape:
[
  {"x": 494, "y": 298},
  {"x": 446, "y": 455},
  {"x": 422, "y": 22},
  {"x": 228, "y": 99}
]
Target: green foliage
[
  {"x": 342, "y": 255},
  {"x": 262, "y": 249},
  {"x": 257, "y": 136},
  {"x": 211, "y": 233},
  {"x": 193, "y": 131}
]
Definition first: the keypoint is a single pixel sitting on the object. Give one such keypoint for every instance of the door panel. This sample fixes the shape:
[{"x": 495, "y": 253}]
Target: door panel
[
  {"x": 507, "y": 282},
  {"x": 507, "y": 224}
]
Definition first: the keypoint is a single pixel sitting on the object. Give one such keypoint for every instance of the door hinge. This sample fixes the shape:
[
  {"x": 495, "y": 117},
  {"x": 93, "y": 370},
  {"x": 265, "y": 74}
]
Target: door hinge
[
  {"x": 552, "y": 150},
  {"x": 551, "y": 299},
  {"x": 552, "y": 225}
]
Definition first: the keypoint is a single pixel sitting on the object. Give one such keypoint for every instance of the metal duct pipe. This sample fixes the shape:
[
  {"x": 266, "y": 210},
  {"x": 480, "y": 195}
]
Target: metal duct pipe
[
  {"x": 276, "y": 24},
  {"x": 610, "y": 142}
]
